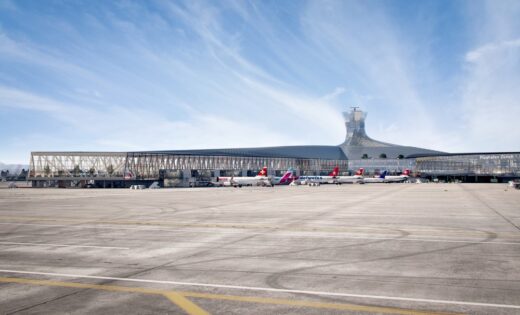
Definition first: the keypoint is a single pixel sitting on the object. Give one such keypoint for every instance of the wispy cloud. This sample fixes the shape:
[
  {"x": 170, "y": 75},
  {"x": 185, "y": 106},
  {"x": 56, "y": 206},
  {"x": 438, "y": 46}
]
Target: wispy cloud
[
  {"x": 376, "y": 58},
  {"x": 490, "y": 97},
  {"x": 174, "y": 75},
  {"x": 118, "y": 128},
  {"x": 19, "y": 100},
  {"x": 494, "y": 48}
]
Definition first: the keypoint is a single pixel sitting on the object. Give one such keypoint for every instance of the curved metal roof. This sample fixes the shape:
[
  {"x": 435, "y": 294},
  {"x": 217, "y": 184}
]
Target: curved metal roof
[
  {"x": 302, "y": 152},
  {"x": 392, "y": 152}
]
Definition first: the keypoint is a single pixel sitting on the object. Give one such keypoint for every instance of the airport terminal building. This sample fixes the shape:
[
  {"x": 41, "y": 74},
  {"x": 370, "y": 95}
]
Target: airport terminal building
[{"x": 181, "y": 168}]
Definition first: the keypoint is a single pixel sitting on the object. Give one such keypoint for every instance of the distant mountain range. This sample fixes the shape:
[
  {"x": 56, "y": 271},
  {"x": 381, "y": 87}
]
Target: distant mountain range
[{"x": 13, "y": 168}]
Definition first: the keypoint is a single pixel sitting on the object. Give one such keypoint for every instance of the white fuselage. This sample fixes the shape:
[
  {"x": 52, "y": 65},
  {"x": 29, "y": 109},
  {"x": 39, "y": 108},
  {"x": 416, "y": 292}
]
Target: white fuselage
[
  {"x": 373, "y": 180},
  {"x": 349, "y": 179},
  {"x": 316, "y": 179},
  {"x": 396, "y": 179},
  {"x": 245, "y": 181}
]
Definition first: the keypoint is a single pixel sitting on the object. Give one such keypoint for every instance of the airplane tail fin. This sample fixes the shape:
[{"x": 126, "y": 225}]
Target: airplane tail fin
[
  {"x": 383, "y": 175},
  {"x": 360, "y": 171},
  {"x": 287, "y": 177},
  {"x": 335, "y": 172},
  {"x": 263, "y": 172},
  {"x": 292, "y": 176},
  {"x": 406, "y": 172}
]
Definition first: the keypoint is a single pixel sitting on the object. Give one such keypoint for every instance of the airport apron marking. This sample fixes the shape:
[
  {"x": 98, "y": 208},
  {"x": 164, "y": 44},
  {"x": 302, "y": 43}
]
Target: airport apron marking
[
  {"x": 61, "y": 245},
  {"x": 179, "y": 298},
  {"x": 237, "y": 287},
  {"x": 352, "y": 229},
  {"x": 406, "y": 239}
]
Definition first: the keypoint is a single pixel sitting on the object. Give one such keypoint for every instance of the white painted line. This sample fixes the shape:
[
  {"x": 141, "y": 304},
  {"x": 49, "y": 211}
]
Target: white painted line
[
  {"x": 61, "y": 245},
  {"x": 408, "y": 239},
  {"x": 405, "y": 239},
  {"x": 237, "y": 287},
  {"x": 98, "y": 227},
  {"x": 55, "y": 225}
]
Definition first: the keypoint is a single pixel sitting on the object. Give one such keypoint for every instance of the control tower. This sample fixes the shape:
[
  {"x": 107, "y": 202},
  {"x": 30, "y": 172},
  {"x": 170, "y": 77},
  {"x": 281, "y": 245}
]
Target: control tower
[{"x": 358, "y": 144}]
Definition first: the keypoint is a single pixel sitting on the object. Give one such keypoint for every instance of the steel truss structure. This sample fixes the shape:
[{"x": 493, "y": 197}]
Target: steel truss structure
[
  {"x": 148, "y": 165},
  {"x": 69, "y": 165},
  {"x": 375, "y": 166}
]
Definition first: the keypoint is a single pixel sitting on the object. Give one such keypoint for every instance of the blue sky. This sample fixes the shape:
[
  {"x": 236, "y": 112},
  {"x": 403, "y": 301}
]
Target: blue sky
[{"x": 145, "y": 75}]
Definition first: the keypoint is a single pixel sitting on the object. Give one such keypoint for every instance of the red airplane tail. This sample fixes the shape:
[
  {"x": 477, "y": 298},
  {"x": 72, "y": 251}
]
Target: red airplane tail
[
  {"x": 335, "y": 172},
  {"x": 406, "y": 172},
  {"x": 263, "y": 172},
  {"x": 360, "y": 171}
]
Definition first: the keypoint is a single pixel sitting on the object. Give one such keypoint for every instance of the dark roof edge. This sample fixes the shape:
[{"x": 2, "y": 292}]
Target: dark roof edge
[
  {"x": 250, "y": 148},
  {"x": 411, "y": 156}
]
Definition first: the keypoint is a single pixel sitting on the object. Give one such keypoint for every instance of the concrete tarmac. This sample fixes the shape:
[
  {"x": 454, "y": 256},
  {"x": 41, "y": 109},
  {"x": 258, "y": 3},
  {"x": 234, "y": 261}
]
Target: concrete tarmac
[{"x": 350, "y": 249}]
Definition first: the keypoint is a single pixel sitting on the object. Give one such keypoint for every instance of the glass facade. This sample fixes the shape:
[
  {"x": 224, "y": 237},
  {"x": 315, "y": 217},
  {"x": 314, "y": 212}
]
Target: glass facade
[{"x": 484, "y": 164}]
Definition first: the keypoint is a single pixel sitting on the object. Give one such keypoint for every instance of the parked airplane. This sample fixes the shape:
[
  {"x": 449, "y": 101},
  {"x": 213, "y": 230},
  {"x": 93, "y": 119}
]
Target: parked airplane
[
  {"x": 320, "y": 179},
  {"x": 379, "y": 179},
  {"x": 286, "y": 179},
  {"x": 356, "y": 178},
  {"x": 260, "y": 179},
  {"x": 398, "y": 179}
]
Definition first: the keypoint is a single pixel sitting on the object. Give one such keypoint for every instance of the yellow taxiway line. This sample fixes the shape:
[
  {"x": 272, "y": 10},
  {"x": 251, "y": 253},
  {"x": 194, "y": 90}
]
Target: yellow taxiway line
[
  {"x": 179, "y": 298},
  {"x": 311, "y": 304},
  {"x": 188, "y": 306}
]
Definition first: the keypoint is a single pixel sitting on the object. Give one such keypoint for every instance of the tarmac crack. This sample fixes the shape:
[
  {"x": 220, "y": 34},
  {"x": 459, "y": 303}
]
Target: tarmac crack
[
  {"x": 45, "y": 302},
  {"x": 490, "y": 207}
]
